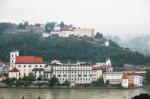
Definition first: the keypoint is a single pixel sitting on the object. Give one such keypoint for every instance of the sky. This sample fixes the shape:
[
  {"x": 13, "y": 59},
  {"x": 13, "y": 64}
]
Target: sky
[{"x": 111, "y": 17}]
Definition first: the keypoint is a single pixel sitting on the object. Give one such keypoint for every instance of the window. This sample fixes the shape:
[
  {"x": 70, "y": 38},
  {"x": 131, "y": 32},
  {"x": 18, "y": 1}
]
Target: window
[
  {"x": 79, "y": 75},
  {"x": 85, "y": 75},
  {"x": 24, "y": 65},
  {"x": 40, "y": 65},
  {"x": 65, "y": 75},
  {"x": 19, "y": 66},
  {"x": 29, "y": 66},
  {"x": 35, "y": 65},
  {"x": 59, "y": 75}
]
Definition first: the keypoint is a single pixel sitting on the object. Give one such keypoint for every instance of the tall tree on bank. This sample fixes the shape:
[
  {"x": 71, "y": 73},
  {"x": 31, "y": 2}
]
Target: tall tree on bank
[
  {"x": 99, "y": 35},
  {"x": 62, "y": 25},
  {"x": 49, "y": 26}
]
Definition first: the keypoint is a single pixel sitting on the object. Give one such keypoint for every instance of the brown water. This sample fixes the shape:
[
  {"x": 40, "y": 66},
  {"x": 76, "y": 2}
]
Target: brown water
[{"x": 71, "y": 93}]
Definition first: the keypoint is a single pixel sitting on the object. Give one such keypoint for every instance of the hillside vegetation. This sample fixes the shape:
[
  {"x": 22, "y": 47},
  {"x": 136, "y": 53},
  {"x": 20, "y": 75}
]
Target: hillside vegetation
[{"x": 67, "y": 49}]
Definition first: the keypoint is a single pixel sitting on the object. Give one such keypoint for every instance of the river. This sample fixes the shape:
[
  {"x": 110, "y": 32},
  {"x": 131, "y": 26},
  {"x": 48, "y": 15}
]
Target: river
[{"x": 71, "y": 93}]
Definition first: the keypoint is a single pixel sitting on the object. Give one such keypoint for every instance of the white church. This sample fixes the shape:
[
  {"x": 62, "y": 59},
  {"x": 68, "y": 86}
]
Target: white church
[{"x": 21, "y": 66}]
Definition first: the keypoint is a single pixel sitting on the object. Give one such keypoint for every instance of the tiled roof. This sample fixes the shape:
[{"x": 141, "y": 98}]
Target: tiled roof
[
  {"x": 14, "y": 70},
  {"x": 1, "y": 62},
  {"x": 29, "y": 59}
]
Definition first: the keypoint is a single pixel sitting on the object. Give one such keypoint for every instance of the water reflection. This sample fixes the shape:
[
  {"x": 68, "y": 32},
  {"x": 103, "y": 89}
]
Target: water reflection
[{"x": 71, "y": 93}]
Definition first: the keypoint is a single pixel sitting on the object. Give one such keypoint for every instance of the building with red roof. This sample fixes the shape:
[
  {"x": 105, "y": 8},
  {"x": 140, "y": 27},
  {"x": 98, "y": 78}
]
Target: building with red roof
[
  {"x": 14, "y": 73},
  {"x": 127, "y": 80},
  {"x": 29, "y": 60},
  {"x": 24, "y": 64}
]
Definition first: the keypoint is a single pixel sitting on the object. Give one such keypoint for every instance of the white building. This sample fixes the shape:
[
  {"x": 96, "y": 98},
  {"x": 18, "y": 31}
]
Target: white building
[
  {"x": 38, "y": 73},
  {"x": 62, "y": 33},
  {"x": 48, "y": 72},
  {"x": 14, "y": 73},
  {"x": 107, "y": 43},
  {"x": 84, "y": 32},
  {"x": 25, "y": 64},
  {"x": 46, "y": 34},
  {"x": 71, "y": 31},
  {"x": 96, "y": 73},
  {"x": 77, "y": 74},
  {"x": 113, "y": 77},
  {"x": 137, "y": 80}
]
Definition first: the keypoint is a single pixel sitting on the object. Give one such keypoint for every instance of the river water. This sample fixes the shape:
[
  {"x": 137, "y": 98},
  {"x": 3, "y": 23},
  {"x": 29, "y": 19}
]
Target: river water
[{"x": 71, "y": 93}]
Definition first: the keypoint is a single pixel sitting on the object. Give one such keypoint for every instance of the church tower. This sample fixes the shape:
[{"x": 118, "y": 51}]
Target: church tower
[
  {"x": 108, "y": 62},
  {"x": 13, "y": 55}
]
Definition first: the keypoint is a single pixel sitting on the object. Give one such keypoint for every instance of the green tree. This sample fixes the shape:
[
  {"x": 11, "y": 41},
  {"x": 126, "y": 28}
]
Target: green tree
[
  {"x": 31, "y": 77},
  {"x": 99, "y": 35},
  {"x": 10, "y": 81},
  {"x": 148, "y": 75},
  {"x": 98, "y": 83},
  {"x": 49, "y": 26},
  {"x": 40, "y": 84},
  {"x": 27, "y": 83},
  {"x": 66, "y": 83},
  {"x": 19, "y": 83},
  {"x": 62, "y": 25},
  {"x": 53, "y": 81},
  {"x": 22, "y": 26}
]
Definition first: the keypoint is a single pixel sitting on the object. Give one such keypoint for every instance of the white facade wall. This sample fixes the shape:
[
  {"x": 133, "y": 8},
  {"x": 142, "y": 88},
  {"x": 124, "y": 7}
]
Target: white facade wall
[
  {"x": 13, "y": 55},
  {"x": 77, "y": 32},
  {"x": 26, "y": 69},
  {"x": 125, "y": 83},
  {"x": 113, "y": 76},
  {"x": 14, "y": 75},
  {"x": 62, "y": 33},
  {"x": 138, "y": 80},
  {"x": 96, "y": 74},
  {"x": 106, "y": 43},
  {"x": 46, "y": 34},
  {"x": 84, "y": 32},
  {"x": 38, "y": 74},
  {"x": 74, "y": 74},
  {"x": 48, "y": 72}
]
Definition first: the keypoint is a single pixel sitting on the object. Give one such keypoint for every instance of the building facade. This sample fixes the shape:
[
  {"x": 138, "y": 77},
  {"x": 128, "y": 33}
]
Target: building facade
[
  {"x": 77, "y": 74},
  {"x": 25, "y": 64},
  {"x": 113, "y": 77}
]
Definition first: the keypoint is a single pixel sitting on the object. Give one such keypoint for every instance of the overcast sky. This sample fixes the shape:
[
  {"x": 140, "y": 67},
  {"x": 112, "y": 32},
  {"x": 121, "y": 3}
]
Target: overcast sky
[{"x": 106, "y": 16}]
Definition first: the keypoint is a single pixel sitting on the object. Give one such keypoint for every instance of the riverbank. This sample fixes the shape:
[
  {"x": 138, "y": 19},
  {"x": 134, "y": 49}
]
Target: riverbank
[{"x": 73, "y": 87}]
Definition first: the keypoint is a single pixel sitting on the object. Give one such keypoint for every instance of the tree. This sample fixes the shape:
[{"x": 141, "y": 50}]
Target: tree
[
  {"x": 99, "y": 35},
  {"x": 142, "y": 96},
  {"x": 10, "y": 81},
  {"x": 53, "y": 81},
  {"x": 27, "y": 83},
  {"x": 98, "y": 83},
  {"x": 62, "y": 25},
  {"x": 39, "y": 78},
  {"x": 66, "y": 83},
  {"x": 148, "y": 75},
  {"x": 40, "y": 84},
  {"x": 49, "y": 26},
  {"x": 31, "y": 77},
  {"x": 22, "y": 26},
  {"x": 19, "y": 83}
]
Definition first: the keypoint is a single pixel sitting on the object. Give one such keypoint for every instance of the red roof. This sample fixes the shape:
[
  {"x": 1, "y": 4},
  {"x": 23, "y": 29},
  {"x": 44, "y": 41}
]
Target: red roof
[
  {"x": 14, "y": 70},
  {"x": 1, "y": 62},
  {"x": 29, "y": 59}
]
